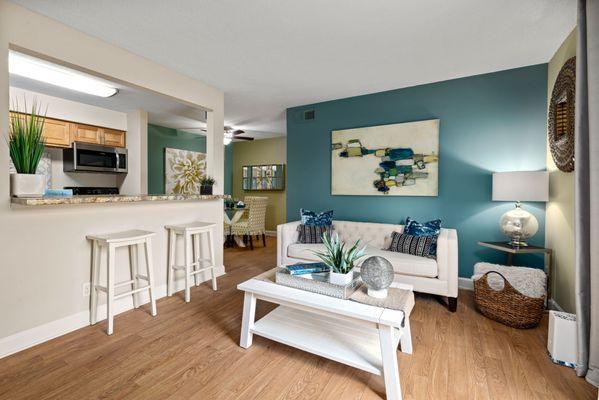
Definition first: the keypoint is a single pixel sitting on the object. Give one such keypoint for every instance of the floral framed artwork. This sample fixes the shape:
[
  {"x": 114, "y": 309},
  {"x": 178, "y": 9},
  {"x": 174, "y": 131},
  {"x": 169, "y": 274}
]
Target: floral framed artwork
[{"x": 183, "y": 170}]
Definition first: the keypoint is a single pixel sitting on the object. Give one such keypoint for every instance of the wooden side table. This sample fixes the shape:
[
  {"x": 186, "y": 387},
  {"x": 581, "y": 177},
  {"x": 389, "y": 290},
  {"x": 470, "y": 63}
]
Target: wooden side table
[{"x": 511, "y": 250}]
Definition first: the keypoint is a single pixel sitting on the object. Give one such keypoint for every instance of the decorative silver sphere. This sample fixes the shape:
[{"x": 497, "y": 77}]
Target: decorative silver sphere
[{"x": 377, "y": 273}]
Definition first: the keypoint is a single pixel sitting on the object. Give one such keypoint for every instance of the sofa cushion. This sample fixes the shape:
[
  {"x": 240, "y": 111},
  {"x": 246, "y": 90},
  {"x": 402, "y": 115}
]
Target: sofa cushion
[
  {"x": 406, "y": 264},
  {"x": 304, "y": 251},
  {"x": 313, "y": 233},
  {"x": 410, "y": 244},
  {"x": 316, "y": 219},
  {"x": 430, "y": 228}
]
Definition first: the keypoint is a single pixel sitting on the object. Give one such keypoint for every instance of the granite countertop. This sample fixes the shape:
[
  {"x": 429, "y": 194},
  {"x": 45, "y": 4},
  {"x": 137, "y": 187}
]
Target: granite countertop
[{"x": 101, "y": 199}]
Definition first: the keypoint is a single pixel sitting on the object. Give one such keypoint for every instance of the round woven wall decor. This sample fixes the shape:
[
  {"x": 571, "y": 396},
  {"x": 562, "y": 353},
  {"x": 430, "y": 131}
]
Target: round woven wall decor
[{"x": 561, "y": 117}]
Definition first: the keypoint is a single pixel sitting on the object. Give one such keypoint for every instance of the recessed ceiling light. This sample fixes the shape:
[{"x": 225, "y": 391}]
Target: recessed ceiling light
[{"x": 39, "y": 70}]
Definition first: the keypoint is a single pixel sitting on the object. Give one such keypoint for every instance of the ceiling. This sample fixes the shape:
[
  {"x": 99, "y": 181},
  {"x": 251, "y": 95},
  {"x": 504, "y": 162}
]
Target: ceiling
[
  {"x": 267, "y": 55},
  {"x": 162, "y": 110}
]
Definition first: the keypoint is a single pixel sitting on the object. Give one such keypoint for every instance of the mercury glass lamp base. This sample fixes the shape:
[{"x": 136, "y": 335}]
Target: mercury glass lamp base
[
  {"x": 517, "y": 243},
  {"x": 379, "y": 294},
  {"x": 519, "y": 225}
]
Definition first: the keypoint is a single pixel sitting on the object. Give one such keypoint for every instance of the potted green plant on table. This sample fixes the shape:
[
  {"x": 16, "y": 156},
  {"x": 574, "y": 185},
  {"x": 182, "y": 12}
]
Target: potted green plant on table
[
  {"x": 206, "y": 184},
  {"x": 26, "y": 147},
  {"x": 340, "y": 260}
]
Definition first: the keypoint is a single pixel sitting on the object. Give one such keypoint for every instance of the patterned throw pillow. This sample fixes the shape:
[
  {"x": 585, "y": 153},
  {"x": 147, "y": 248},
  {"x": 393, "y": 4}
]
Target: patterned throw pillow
[
  {"x": 430, "y": 228},
  {"x": 311, "y": 218},
  {"x": 410, "y": 244},
  {"x": 313, "y": 234}
]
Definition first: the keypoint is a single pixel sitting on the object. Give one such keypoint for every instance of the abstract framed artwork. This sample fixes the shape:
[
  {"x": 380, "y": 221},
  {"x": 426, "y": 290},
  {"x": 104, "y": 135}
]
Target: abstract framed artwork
[
  {"x": 395, "y": 160},
  {"x": 183, "y": 170}
]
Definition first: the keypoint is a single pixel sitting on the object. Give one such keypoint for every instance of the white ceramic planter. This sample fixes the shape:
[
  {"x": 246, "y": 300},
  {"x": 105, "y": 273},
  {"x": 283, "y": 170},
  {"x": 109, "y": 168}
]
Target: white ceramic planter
[
  {"x": 341, "y": 279},
  {"x": 27, "y": 185}
]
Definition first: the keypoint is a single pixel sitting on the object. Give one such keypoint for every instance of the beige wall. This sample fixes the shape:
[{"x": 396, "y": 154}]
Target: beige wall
[
  {"x": 45, "y": 258},
  {"x": 265, "y": 151},
  {"x": 559, "y": 220}
]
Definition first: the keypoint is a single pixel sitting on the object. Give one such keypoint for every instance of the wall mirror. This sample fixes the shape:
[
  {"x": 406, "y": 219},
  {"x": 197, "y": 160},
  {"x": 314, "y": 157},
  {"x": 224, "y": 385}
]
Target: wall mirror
[
  {"x": 263, "y": 177},
  {"x": 561, "y": 117}
]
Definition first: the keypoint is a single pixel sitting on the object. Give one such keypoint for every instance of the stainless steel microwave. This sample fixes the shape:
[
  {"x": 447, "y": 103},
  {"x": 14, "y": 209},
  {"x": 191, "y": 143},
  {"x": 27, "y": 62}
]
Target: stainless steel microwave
[{"x": 84, "y": 157}]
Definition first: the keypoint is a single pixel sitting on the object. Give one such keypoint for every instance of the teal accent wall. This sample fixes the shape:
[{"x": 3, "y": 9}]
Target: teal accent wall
[
  {"x": 160, "y": 137},
  {"x": 488, "y": 123}
]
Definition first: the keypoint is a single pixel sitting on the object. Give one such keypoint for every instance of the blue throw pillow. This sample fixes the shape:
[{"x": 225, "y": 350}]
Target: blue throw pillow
[
  {"x": 430, "y": 228},
  {"x": 310, "y": 218}
]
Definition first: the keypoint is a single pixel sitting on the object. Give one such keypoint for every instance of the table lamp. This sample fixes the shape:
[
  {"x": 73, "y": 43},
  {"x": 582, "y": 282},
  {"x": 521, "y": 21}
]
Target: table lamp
[{"x": 518, "y": 224}]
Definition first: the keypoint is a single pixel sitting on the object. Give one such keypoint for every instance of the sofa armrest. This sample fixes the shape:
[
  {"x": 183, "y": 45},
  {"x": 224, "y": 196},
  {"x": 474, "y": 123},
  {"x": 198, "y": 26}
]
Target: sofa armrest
[
  {"x": 286, "y": 234},
  {"x": 447, "y": 259}
]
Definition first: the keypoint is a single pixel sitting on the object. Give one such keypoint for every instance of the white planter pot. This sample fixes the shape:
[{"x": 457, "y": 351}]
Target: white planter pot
[
  {"x": 27, "y": 185},
  {"x": 341, "y": 279}
]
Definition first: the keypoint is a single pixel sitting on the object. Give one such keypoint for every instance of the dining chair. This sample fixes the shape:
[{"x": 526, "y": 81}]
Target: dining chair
[{"x": 255, "y": 224}]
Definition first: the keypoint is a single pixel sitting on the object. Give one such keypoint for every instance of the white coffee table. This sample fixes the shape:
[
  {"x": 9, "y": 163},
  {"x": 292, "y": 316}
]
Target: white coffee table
[{"x": 359, "y": 335}]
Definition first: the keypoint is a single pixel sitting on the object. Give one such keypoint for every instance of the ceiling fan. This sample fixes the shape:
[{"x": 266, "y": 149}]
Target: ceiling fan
[{"x": 231, "y": 134}]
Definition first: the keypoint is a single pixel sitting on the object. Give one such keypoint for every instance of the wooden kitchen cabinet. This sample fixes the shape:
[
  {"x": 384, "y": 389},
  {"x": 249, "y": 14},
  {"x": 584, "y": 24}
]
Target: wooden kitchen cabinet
[
  {"x": 115, "y": 138},
  {"x": 96, "y": 135},
  {"x": 86, "y": 133},
  {"x": 58, "y": 133}
]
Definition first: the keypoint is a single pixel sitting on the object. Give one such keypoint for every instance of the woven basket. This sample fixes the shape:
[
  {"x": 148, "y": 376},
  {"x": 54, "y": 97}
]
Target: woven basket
[{"x": 508, "y": 306}]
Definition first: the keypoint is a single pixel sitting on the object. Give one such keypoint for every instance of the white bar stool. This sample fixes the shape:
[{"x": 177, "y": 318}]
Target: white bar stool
[
  {"x": 194, "y": 263},
  {"x": 109, "y": 243}
]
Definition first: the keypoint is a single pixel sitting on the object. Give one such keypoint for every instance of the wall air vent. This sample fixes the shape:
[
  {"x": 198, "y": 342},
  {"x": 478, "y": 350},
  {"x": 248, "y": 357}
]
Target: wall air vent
[{"x": 309, "y": 115}]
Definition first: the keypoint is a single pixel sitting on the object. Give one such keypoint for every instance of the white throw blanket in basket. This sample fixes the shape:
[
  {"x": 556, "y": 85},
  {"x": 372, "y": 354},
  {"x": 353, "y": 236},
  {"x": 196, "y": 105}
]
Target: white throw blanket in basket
[{"x": 530, "y": 282}]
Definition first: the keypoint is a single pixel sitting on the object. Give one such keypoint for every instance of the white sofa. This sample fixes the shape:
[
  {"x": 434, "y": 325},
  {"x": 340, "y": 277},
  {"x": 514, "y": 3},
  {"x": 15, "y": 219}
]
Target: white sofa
[{"x": 427, "y": 275}]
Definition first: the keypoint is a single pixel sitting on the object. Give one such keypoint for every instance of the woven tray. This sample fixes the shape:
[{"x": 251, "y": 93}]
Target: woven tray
[
  {"x": 508, "y": 306},
  {"x": 317, "y": 283}
]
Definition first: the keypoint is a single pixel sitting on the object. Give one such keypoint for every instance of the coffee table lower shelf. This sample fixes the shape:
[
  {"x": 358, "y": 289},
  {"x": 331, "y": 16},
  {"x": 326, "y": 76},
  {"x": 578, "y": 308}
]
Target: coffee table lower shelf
[{"x": 345, "y": 341}]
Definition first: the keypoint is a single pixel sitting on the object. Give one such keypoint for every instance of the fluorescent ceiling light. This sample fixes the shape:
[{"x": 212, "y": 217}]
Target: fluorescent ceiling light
[{"x": 36, "y": 69}]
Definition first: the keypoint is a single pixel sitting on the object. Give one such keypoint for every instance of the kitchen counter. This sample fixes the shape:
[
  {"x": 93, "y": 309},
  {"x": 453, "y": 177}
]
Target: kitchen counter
[{"x": 101, "y": 199}]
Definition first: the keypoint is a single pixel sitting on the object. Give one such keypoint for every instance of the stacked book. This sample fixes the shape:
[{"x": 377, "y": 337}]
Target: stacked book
[{"x": 305, "y": 269}]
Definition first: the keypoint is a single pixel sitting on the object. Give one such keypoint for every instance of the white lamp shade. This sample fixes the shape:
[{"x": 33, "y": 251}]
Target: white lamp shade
[{"x": 521, "y": 186}]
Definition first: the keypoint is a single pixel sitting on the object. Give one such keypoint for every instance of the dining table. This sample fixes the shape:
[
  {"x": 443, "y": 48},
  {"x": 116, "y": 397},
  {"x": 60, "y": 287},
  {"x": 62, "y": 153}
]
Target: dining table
[{"x": 233, "y": 215}]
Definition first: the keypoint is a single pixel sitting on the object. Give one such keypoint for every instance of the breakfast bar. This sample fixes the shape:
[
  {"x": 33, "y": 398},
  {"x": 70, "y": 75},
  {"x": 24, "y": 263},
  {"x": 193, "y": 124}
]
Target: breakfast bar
[
  {"x": 103, "y": 199},
  {"x": 48, "y": 239}
]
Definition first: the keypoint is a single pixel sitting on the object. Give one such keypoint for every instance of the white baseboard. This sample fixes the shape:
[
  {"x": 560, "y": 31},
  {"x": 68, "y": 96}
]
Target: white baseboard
[
  {"x": 271, "y": 233},
  {"x": 465, "y": 283},
  {"x": 25, "y": 339}
]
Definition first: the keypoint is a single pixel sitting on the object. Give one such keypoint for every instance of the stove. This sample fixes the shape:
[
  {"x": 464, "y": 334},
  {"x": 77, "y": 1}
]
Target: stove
[{"x": 87, "y": 190}]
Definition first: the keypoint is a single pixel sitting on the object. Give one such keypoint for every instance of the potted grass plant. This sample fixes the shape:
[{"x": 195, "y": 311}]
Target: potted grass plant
[
  {"x": 206, "y": 184},
  {"x": 26, "y": 147},
  {"x": 340, "y": 260}
]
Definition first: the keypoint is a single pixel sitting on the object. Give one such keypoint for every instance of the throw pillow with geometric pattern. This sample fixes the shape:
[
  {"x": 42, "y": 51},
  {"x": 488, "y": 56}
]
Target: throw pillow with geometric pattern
[
  {"x": 410, "y": 244},
  {"x": 313, "y": 234}
]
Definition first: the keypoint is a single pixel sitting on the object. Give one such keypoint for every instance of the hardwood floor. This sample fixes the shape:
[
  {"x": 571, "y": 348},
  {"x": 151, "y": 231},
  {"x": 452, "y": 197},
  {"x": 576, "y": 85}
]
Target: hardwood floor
[{"x": 191, "y": 351}]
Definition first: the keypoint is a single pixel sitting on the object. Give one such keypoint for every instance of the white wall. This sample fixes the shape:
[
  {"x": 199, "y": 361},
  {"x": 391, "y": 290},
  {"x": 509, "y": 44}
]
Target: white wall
[{"x": 44, "y": 257}]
